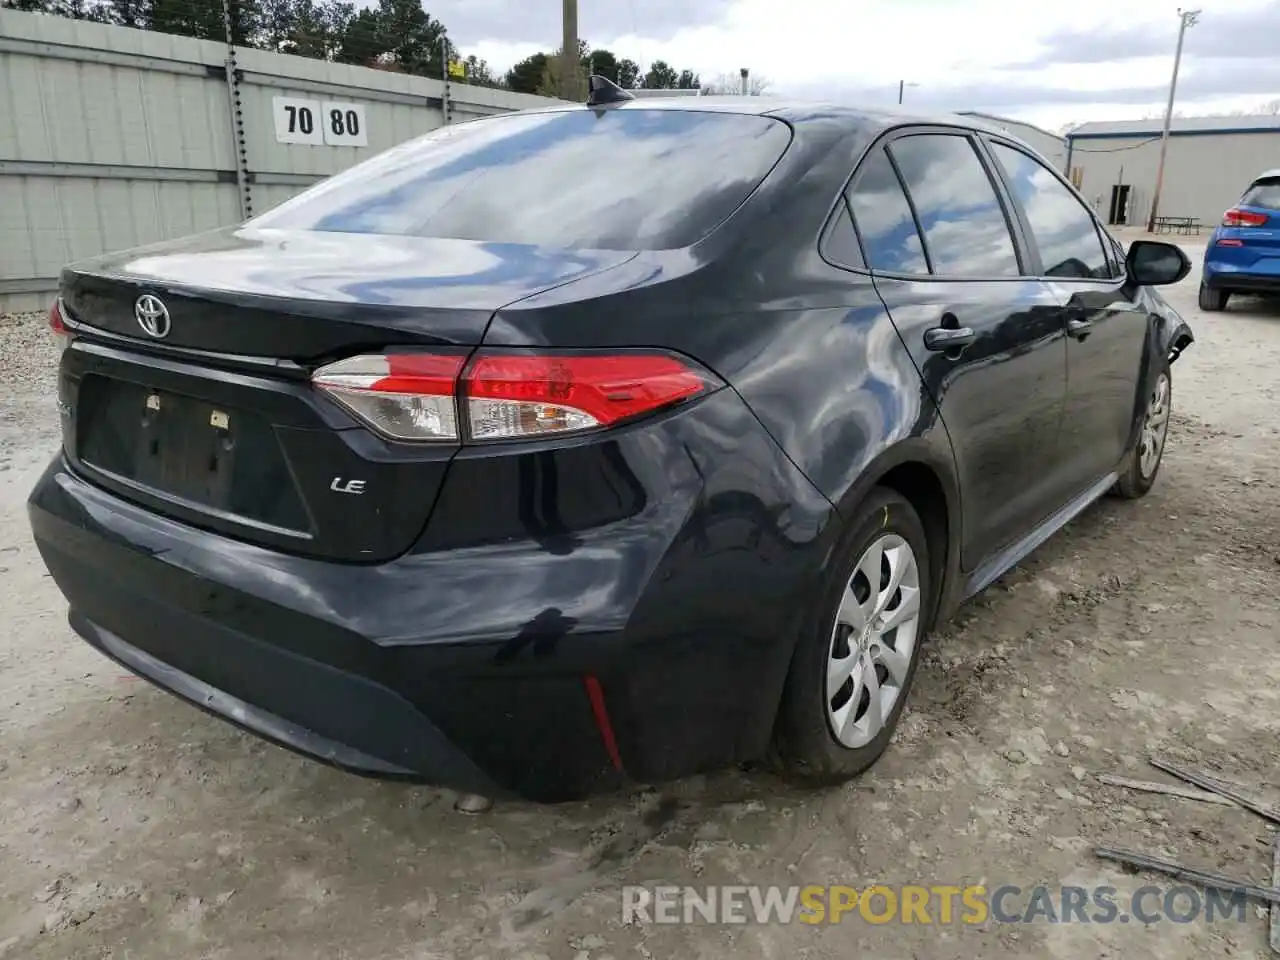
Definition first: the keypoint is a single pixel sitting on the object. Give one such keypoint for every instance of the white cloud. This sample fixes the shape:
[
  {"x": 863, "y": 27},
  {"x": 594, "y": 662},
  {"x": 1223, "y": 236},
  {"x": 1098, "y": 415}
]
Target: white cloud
[{"x": 1008, "y": 58}]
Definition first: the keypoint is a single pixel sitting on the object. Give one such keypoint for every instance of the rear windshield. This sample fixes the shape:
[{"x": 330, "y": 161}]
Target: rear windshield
[
  {"x": 607, "y": 179},
  {"x": 1264, "y": 193}
]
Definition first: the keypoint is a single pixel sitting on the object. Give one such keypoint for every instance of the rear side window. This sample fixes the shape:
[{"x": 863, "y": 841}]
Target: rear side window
[
  {"x": 607, "y": 179},
  {"x": 1063, "y": 228},
  {"x": 840, "y": 245},
  {"x": 1264, "y": 193},
  {"x": 965, "y": 230},
  {"x": 889, "y": 236}
]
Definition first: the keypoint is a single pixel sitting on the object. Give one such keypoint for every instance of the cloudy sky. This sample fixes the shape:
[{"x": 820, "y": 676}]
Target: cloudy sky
[{"x": 1049, "y": 63}]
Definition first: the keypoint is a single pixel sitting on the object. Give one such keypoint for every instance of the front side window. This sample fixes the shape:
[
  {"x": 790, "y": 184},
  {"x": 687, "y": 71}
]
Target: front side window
[
  {"x": 628, "y": 179},
  {"x": 889, "y": 236},
  {"x": 1063, "y": 228},
  {"x": 965, "y": 230},
  {"x": 1118, "y": 268}
]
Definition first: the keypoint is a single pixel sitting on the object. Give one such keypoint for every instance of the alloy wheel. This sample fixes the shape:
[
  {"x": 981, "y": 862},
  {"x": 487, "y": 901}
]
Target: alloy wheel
[
  {"x": 873, "y": 640},
  {"x": 1155, "y": 426}
]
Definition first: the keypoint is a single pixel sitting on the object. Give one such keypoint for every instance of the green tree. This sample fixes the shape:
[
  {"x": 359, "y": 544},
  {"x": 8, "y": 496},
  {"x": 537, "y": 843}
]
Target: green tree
[
  {"x": 688, "y": 80},
  {"x": 361, "y": 40},
  {"x": 604, "y": 64},
  {"x": 202, "y": 19},
  {"x": 129, "y": 13},
  {"x": 319, "y": 27},
  {"x": 480, "y": 74},
  {"x": 527, "y": 75},
  {"x": 661, "y": 76},
  {"x": 552, "y": 76},
  {"x": 277, "y": 24},
  {"x": 411, "y": 36},
  {"x": 628, "y": 74}
]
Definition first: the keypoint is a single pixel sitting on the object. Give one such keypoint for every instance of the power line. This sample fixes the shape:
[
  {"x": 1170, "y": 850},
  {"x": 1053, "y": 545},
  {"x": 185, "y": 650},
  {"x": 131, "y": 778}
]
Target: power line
[{"x": 1132, "y": 146}]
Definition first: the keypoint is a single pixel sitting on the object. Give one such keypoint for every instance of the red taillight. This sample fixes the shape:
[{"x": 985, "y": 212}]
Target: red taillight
[
  {"x": 511, "y": 395},
  {"x": 407, "y": 396},
  {"x": 1229, "y": 242},
  {"x": 505, "y": 396},
  {"x": 58, "y": 323},
  {"x": 1243, "y": 218}
]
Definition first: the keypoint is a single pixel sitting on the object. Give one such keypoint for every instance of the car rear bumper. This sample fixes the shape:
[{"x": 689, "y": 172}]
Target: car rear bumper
[
  {"x": 268, "y": 656},
  {"x": 1251, "y": 279},
  {"x": 1243, "y": 282},
  {"x": 426, "y": 752},
  {"x": 640, "y": 650}
]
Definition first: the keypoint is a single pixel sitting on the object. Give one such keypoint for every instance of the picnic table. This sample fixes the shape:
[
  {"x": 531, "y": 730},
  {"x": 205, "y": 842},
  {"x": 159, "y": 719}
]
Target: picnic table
[{"x": 1184, "y": 225}]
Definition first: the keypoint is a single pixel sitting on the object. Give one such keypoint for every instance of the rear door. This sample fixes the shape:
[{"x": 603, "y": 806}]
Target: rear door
[
  {"x": 988, "y": 342},
  {"x": 1106, "y": 329}
]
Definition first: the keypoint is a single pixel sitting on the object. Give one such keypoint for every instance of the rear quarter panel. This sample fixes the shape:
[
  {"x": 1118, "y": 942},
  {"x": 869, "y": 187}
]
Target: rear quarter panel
[{"x": 808, "y": 345}]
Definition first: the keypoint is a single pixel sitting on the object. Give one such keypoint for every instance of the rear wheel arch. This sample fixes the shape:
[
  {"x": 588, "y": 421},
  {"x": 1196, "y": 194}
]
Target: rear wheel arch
[
  {"x": 915, "y": 471},
  {"x": 920, "y": 486}
]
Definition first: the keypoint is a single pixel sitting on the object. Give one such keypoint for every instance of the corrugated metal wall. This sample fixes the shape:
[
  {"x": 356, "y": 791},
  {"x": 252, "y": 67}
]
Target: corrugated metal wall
[
  {"x": 111, "y": 137},
  {"x": 1204, "y": 173}
]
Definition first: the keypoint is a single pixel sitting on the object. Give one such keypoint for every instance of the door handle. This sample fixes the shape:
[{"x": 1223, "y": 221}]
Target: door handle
[
  {"x": 949, "y": 338},
  {"x": 1079, "y": 329}
]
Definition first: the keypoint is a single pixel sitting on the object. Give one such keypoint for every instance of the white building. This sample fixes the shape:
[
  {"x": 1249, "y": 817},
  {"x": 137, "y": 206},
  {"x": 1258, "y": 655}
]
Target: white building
[
  {"x": 1210, "y": 162},
  {"x": 1049, "y": 145}
]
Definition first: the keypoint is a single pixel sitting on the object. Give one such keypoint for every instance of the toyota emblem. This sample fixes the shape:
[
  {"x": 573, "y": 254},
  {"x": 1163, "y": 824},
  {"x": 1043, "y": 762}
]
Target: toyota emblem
[{"x": 152, "y": 315}]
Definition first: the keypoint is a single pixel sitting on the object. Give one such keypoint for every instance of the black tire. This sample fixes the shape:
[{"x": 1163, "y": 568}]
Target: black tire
[
  {"x": 805, "y": 747},
  {"x": 1136, "y": 480},
  {"x": 1212, "y": 299}
]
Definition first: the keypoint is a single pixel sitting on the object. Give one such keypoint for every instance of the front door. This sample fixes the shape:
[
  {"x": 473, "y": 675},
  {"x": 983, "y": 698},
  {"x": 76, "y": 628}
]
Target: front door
[
  {"x": 988, "y": 342},
  {"x": 1106, "y": 330}
]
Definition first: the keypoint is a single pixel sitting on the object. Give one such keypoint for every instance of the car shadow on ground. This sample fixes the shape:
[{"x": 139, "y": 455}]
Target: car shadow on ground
[
  {"x": 1254, "y": 306},
  {"x": 159, "y": 767}
]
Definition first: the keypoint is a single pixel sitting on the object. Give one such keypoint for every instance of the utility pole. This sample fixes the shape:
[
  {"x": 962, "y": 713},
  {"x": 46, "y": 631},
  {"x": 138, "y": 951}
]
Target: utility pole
[
  {"x": 569, "y": 53},
  {"x": 902, "y": 86},
  {"x": 1187, "y": 18}
]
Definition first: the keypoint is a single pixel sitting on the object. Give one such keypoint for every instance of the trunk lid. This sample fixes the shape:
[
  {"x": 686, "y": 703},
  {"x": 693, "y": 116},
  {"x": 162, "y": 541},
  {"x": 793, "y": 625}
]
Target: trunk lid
[
  {"x": 308, "y": 296},
  {"x": 215, "y": 423}
]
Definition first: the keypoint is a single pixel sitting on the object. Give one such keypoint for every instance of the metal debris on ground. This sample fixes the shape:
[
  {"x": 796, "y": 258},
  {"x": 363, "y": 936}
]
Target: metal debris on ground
[
  {"x": 1210, "y": 881},
  {"x": 1275, "y": 882},
  {"x": 1215, "y": 786},
  {"x": 473, "y": 803},
  {"x": 1170, "y": 789}
]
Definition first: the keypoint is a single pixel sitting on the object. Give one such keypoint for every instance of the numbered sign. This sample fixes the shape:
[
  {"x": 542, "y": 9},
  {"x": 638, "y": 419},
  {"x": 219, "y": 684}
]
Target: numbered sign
[
  {"x": 298, "y": 120},
  {"x": 319, "y": 122},
  {"x": 344, "y": 124}
]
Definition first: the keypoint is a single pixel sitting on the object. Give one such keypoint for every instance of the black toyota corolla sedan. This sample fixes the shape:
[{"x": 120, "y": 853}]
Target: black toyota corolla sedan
[{"x": 600, "y": 444}]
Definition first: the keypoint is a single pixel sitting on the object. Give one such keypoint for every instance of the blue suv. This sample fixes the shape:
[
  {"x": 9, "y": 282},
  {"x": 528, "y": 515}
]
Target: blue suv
[{"x": 1243, "y": 254}]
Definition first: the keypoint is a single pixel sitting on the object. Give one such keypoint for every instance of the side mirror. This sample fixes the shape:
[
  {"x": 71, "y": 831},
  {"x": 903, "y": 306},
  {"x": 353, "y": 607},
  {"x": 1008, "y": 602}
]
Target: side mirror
[{"x": 1151, "y": 263}]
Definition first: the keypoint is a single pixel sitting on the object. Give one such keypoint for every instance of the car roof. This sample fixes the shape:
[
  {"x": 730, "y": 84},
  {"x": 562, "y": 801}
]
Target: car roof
[
  {"x": 1267, "y": 175},
  {"x": 870, "y": 119}
]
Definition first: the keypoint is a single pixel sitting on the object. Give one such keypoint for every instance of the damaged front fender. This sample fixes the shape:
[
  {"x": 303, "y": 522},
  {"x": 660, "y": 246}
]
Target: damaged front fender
[{"x": 1173, "y": 334}]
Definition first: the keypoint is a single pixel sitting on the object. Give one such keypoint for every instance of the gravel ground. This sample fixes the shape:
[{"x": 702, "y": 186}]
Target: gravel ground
[
  {"x": 28, "y": 364},
  {"x": 134, "y": 826}
]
